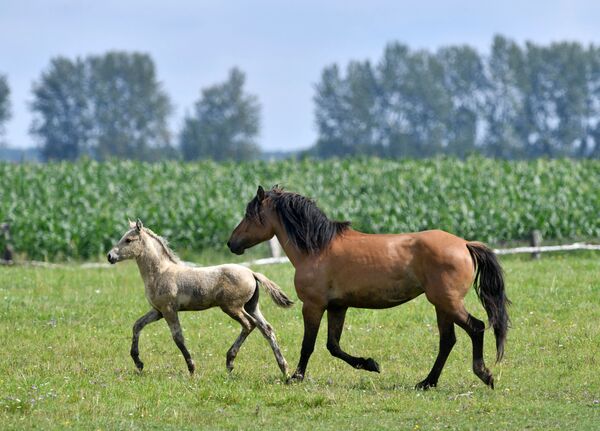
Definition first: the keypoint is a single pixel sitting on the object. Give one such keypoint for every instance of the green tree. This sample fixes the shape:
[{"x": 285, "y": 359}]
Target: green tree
[
  {"x": 4, "y": 104},
  {"x": 416, "y": 105},
  {"x": 225, "y": 124},
  {"x": 465, "y": 83},
  {"x": 591, "y": 145},
  {"x": 130, "y": 109},
  {"x": 504, "y": 108},
  {"x": 63, "y": 119},
  {"x": 347, "y": 112},
  {"x": 101, "y": 106}
]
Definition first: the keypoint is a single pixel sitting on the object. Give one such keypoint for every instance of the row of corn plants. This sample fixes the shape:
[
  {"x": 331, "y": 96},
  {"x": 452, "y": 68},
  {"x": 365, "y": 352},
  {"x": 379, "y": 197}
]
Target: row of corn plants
[{"x": 78, "y": 210}]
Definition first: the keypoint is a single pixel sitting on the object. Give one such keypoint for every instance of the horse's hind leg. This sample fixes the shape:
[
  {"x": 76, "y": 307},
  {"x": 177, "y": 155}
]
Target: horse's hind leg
[
  {"x": 267, "y": 330},
  {"x": 335, "y": 325},
  {"x": 447, "y": 340},
  {"x": 173, "y": 322},
  {"x": 247, "y": 327},
  {"x": 151, "y": 316},
  {"x": 475, "y": 328}
]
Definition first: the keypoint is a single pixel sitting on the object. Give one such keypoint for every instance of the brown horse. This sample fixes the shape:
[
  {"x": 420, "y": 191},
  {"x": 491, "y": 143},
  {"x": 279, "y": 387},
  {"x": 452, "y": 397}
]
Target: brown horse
[{"x": 338, "y": 267}]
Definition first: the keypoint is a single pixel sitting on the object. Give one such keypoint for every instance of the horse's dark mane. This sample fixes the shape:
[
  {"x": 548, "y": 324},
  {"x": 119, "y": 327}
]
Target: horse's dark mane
[{"x": 308, "y": 227}]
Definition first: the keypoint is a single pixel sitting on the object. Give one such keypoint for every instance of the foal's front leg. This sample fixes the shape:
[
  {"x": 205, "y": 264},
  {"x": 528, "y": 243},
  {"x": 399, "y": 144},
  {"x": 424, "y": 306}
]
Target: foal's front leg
[
  {"x": 151, "y": 316},
  {"x": 173, "y": 322}
]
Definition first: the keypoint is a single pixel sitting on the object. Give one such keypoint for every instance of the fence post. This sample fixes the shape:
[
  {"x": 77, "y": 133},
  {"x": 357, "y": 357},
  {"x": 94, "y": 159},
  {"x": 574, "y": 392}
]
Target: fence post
[
  {"x": 536, "y": 241},
  {"x": 275, "y": 247},
  {"x": 7, "y": 254}
]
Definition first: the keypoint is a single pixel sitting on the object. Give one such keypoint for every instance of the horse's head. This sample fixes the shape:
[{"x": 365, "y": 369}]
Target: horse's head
[
  {"x": 255, "y": 227},
  {"x": 130, "y": 246}
]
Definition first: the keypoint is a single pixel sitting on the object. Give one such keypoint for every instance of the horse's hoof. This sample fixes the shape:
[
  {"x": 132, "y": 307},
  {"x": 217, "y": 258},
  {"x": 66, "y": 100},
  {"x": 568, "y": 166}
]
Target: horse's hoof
[
  {"x": 425, "y": 385},
  {"x": 296, "y": 377},
  {"x": 372, "y": 365},
  {"x": 191, "y": 367},
  {"x": 490, "y": 382},
  {"x": 139, "y": 365}
]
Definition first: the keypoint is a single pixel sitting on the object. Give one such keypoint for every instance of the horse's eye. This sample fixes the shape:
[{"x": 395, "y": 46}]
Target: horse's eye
[{"x": 128, "y": 240}]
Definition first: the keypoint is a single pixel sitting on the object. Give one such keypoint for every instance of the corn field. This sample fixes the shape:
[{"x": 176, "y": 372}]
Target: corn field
[{"x": 79, "y": 210}]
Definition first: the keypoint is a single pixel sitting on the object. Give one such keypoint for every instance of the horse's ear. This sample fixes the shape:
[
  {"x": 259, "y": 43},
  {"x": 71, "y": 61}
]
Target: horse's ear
[
  {"x": 131, "y": 224},
  {"x": 260, "y": 193},
  {"x": 139, "y": 225}
]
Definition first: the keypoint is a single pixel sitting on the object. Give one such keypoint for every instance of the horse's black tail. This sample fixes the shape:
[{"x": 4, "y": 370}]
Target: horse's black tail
[{"x": 489, "y": 285}]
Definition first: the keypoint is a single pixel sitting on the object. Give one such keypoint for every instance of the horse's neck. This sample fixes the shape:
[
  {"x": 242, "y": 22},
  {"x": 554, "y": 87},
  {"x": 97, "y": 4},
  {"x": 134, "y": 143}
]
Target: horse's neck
[
  {"x": 151, "y": 262},
  {"x": 296, "y": 256}
]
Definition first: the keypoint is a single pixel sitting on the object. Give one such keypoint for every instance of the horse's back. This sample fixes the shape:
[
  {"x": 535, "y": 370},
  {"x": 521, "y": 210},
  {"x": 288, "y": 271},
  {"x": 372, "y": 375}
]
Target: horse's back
[{"x": 383, "y": 270}]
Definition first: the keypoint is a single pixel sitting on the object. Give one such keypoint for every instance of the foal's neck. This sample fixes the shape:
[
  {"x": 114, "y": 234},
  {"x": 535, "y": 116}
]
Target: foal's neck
[{"x": 151, "y": 262}]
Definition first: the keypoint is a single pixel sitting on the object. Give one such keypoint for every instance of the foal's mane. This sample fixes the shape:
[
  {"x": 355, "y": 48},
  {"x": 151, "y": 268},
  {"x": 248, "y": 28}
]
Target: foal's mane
[
  {"x": 308, "y": 227},
  {"x": 164, "y": 245}
]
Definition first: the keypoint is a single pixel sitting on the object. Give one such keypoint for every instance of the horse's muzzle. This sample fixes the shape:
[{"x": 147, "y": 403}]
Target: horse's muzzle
[{"x": 235, "y": 248}]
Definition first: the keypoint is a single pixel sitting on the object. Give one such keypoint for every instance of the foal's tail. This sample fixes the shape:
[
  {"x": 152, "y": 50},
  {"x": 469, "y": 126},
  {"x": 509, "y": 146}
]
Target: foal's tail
[
  {"x": 489, "y": 285},
  {"x": 274, "y": 291}
]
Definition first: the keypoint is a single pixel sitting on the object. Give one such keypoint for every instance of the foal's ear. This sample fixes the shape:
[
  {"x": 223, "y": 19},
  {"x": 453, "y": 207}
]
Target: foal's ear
[
  {"x": 139, "y": 225},
  {"x": 131, "y": 224},
  {"x": 260, "y": 194}
]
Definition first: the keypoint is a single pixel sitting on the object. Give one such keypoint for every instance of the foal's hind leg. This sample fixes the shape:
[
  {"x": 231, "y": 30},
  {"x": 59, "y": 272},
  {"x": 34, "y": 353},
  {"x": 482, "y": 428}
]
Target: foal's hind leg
[
  {"x": 447, "y": 340},
  {"x": 335, "y": 325},
  {"x": 151, "y": 316},
  {"x": 247, "y": 327},
  {"x": 267, "y": 330},
  {"x": 475, "y": 328},
  {"x": 173, "y": 322}
]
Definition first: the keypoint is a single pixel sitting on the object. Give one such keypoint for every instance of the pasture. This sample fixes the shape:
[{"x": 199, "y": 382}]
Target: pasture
[{"x": 65, "y": 360}]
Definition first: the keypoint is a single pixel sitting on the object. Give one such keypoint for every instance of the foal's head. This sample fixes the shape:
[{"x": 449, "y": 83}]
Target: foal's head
[
  {"x": 130, "y": 246},
  {"x": 255, "y": 227}
]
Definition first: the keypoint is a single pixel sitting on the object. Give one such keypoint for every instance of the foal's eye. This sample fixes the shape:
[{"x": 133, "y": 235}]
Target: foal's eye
[{"x": 128, "y": 240}]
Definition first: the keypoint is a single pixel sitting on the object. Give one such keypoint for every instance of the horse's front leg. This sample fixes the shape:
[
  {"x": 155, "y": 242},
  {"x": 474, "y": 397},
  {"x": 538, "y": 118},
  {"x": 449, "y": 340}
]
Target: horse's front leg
[
  {"x": 149, "y": 317},
  {"x": 335, "y": 325},
  {"x": 312, "y": 315},
  {"x": 173, "y": 321}
]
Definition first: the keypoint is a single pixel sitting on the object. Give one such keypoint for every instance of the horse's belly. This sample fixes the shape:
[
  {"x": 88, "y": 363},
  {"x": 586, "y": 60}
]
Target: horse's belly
[
  {"x": 382, "y": 295},
  {"x": 383, "y": 298}
]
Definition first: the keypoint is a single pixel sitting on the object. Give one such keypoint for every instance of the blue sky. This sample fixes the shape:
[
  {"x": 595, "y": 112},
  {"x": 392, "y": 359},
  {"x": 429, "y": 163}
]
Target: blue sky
[{"x": 281, "y": 45}]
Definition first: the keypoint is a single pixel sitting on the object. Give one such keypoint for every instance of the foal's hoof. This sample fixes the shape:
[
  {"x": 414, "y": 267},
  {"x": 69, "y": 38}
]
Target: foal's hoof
[
  {"x": 296, "y": 377},
  {"x": 425, "y": 385},
  {"x": 371, "y": 365},
  {"x": 191, "y": 367}
]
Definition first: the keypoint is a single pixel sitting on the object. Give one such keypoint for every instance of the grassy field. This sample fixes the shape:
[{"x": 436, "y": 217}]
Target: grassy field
[{"x": 65, "y": 359}]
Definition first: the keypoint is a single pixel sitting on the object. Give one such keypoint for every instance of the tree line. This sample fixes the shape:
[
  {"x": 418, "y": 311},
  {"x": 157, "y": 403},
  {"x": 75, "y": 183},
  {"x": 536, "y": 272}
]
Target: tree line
[
  {"x": 517, "y": 102},
  {"x": 113, "y": 106}
]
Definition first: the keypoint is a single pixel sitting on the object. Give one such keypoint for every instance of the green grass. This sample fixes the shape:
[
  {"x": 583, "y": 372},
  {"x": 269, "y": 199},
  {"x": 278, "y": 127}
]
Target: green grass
[{"x": 65, "y": 359}]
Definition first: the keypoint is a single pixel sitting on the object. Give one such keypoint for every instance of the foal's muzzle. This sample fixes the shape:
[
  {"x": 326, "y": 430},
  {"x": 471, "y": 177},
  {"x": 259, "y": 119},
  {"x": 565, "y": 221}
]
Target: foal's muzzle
[{"x": 112, "y": 257}]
